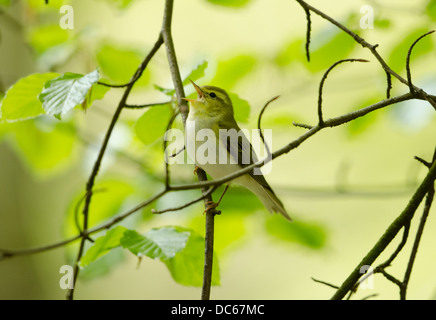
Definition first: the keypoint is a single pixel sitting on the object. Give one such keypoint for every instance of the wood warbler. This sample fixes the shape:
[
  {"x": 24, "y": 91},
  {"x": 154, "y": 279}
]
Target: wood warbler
[{"x": 216, "y": 144}]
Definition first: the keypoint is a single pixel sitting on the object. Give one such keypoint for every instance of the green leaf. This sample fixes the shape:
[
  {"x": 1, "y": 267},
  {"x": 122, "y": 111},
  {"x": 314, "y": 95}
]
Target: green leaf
[
  {"x": 293, "y": 51},
  {"x": 45, "y": 146},
  {"x": 234, "y": 220},
  {"x": 47, "y": 36},
  {"x": 120, "y": 64},
  {"x": 233, "y": 70},
  {"x": 62, "y": 94},
  {"x": 240, "y": 200},
  {"x": 97, "y": 92},
  {"x": 21, "y": 100},
  {"x": 230, "y": 3},
  {"x": 158, "y": 243},
  {"x": 152, "y": 124},
  {"x": 120, "y": 3},
  {"x": 165, "y": 91},
  {"x": 196, "y": 74},
  {"x": 103, "y": 245},
  {"x": 186, "y": 267},
  {"x": 308, "y": 234},
  {"x": 398, "y": 55},
  {"x": 241, "y": 107},
  {"x": 431, "y": 9},
  {"x": 5, "y": 2}
]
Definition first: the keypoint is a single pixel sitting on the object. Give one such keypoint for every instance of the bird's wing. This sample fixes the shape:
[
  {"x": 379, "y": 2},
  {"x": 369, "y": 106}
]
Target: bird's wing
[{"x": 241, "y": 150}]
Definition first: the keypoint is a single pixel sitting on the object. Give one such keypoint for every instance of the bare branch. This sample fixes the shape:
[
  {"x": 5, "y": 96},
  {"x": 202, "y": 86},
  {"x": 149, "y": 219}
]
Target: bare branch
[
  {"x": 93, "y": 175},
  {"x": 308, "y": 31},
  {"x": 148, "y": 105},
  {"x": 165, "y": 142},
  {"x": 409, "y": 76},
  {"x": 321, "y": 85},
  {"x": 259, "y": 119},
  {"x": 188, "y": 204},
  {"x": 389, "y": 85},
  {"x": 404, "y": 218}
]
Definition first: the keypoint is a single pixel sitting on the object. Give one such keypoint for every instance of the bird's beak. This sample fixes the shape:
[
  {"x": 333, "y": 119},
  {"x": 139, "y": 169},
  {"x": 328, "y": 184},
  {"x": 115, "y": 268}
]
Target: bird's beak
[{"x": 200, "y": 93}]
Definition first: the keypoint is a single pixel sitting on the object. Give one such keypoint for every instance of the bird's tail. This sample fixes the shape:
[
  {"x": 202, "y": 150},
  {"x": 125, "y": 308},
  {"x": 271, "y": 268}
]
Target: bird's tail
[
  {"x": 272, "y": 203},
  {"x": 270, "y": 200}
]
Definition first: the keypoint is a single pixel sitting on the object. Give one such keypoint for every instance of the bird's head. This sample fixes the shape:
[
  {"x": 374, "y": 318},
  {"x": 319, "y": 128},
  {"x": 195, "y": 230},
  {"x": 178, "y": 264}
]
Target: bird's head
[{"x": 211, "y": 101}]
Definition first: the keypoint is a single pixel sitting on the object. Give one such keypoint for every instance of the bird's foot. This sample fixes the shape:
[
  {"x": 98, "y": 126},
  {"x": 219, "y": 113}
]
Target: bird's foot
[{"x": 211, "y": 206}]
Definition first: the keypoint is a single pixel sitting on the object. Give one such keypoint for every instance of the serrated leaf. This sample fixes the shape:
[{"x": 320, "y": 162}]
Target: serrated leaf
[
  {"x": 103, "y": 245},
  {"x": 62, "y": 94},
  {"x": 308, "y": 234},
  {"x": 21, "y": 100},
  {"x": 241, "y": 107},
  {"x": 158, "y": 243},
  {"x": 187, "y": 266},
  {"x": 196, "y": 74},
  {"x": 230, "y": 3},
  {"x": 152, "y": 124}
]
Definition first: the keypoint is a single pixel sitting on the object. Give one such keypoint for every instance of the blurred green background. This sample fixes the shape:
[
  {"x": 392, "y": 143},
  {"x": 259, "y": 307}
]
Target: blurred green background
[{"x": 342, "y": 187}]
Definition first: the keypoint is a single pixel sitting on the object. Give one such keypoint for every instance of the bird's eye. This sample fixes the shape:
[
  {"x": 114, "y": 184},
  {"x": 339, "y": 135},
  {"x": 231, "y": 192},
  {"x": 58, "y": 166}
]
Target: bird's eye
[{"x": 212, "y": 94}]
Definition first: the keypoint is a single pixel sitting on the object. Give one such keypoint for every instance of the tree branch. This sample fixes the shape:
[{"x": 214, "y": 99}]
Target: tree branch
[
  {"x": 93, "y": 175},
  {"x": 201, "y": 175},
  {"x": 403, "y": 219}
]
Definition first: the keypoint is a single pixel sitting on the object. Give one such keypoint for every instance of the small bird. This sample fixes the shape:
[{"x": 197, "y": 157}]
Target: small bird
[{"x": 211, "y": 115}]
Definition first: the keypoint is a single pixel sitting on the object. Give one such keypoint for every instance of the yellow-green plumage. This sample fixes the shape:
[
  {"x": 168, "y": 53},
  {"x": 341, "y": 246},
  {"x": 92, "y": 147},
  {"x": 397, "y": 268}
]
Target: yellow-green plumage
[{"x": 213, "y": 110}]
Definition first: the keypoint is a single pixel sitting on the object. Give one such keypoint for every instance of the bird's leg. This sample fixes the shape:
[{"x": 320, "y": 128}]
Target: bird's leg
[
  {"x": 196, "y": 169},
  {"x": 212, "y": 205}
]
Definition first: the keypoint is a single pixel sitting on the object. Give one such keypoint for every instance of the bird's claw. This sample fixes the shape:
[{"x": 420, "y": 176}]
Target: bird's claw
[{"x": 210, "y": 206}]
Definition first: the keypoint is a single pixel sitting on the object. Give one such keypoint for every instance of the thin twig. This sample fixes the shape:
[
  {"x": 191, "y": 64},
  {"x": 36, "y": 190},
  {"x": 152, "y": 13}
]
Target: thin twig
[
  {"x": 321, "y": 85},
  {"x": 325, "y": 283},
  {"x": 148, "y": 105},
  {"x": 165, "y": 142},
  {"x": 409, "y": 76},
  {"x": 201, "y": 175},
  {"x": 6, "y": 253},
  {"x": 404, "y": 218},
  {"x": 419, "y": 232},
  {"x": 308, "y": 31},
  {"x": 389, "y": 85},
  {"x": 97, "y": 164},
  {"x": 259, "y": 119},
  {"x": 400, "y": 246},
  {"x": 188, "y": 204}
]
